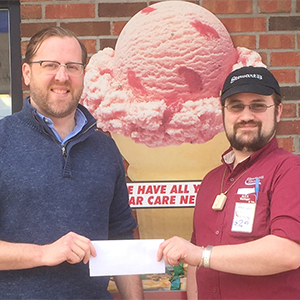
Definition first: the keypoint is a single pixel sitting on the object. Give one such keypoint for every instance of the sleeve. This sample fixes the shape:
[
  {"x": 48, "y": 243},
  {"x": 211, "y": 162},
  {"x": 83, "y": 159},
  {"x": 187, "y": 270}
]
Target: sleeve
[
  {"x": 121, "y": 222},
  {"x": 285, "y": 201}
]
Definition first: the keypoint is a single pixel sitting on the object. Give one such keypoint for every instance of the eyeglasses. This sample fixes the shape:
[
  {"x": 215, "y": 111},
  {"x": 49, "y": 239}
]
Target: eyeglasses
[
  {"x": 51, "y": 67},
  {"x": 254, "y": 107}
]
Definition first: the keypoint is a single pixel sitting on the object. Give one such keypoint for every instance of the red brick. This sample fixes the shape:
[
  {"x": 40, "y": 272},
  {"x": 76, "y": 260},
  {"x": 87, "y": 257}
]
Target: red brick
[
  {"x": 120, "y": 9},
  {"x": 228, "y": 6},
  {"x": 288, "y": 127},
  {"x": 285, "y": 75},
  {"x": 248, "y": 41},
  {"x": 29, "y": 29},
  {"x": 289, "y": 110},
  {"x": 291, "y": 92},
  {"x": 264, "y": 57},
  {"x": 111, "y": 43},
  {"x": 31, "y": 11},
  {"x": 285, "y": 59},
  {"x": 284, "y": 23},
  {"x": 244, "y": 24},
  {"x": 298, "y": 6},
  {"x": 274, "y": 6},
  {"x": 286, "y": 143},
  {"x": 117, "y": 27},
  {"x": 32, "y": 1},
  {"x": 88, "y": 28},
  {"x": 277, "y": 41},
  {"x": 69, "y": 11},
  {"x": 90, "y": 45}
]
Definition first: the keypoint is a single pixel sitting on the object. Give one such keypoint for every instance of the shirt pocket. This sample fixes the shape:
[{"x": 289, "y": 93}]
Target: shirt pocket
[{"x": 261, "y": 223}]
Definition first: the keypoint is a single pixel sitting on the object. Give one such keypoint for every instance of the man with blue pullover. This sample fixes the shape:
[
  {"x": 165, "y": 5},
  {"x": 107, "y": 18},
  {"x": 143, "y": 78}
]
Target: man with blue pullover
[{"x": 62, "y": 183}]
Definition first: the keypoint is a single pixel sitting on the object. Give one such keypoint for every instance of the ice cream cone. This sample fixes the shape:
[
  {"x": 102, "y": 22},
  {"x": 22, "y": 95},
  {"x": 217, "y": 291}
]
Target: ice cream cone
[{"x": 175, "y": 162}]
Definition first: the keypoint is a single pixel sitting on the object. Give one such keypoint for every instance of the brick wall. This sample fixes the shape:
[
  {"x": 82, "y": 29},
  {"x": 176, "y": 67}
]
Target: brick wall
[{"x": 271, "y": 27}]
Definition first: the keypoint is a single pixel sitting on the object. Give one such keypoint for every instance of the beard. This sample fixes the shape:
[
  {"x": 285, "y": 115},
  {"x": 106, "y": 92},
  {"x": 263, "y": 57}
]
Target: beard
[
  {"x": 246, "y": 143},
  {"x": 53, "y": 107},
  {"x": 51, "y": 110}
]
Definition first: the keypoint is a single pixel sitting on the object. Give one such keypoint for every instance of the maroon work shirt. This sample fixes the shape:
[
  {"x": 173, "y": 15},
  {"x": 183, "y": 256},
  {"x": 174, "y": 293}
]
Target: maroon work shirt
[{"x": 277, "y": 212}]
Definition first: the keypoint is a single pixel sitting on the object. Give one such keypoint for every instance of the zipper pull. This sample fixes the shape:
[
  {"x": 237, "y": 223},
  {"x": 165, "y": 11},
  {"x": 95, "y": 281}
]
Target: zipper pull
[{"x": 63, "y": 150}]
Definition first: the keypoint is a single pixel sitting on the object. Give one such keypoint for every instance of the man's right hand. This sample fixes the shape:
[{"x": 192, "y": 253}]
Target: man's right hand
[{"x": 71, "y": 247}]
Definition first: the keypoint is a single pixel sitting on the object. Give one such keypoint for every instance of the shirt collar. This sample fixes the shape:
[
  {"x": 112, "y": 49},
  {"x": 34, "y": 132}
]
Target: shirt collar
[
  {"x": 80, "y": 120},
  {"x": 228, "y": 156}
]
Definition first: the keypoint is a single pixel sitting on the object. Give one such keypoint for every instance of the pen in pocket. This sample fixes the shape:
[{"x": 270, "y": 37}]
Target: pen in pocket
[{"x": 256, "y": 187}]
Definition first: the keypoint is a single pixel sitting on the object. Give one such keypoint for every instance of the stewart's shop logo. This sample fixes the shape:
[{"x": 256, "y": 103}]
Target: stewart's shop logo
[
  {"x": 251, "y": 180},
  {"x": 255, "y": 76}
]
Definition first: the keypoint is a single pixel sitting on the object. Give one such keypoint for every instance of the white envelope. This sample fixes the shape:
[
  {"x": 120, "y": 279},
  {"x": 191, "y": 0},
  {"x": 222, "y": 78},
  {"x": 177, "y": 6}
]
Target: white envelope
[{"x": 126, "y": 257}]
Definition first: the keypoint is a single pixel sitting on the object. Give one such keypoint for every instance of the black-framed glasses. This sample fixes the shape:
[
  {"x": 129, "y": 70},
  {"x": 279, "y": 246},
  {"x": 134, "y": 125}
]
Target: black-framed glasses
[
  {"x": 51, "y": 67},
  {"x": 254, "y": 107}
]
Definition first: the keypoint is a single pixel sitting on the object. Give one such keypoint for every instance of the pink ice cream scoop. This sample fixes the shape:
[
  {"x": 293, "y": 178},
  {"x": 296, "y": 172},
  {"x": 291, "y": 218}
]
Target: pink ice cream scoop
[{"x": 161, "y": 84}]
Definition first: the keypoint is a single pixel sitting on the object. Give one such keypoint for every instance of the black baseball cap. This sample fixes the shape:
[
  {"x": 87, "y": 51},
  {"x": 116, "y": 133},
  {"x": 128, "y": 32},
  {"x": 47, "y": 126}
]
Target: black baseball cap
[{"x": 257, "y": 80}]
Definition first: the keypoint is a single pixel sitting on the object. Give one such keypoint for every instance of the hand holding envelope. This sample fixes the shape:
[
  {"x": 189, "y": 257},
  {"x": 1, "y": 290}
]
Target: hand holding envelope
[
  {"x": 126, "y": 257},
  {"x": 178, "y": 250},
  {"x": 71, "y": 247}
]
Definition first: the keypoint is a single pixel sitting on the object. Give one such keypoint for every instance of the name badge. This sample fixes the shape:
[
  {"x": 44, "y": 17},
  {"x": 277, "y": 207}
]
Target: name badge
[{"x": 243, "y": 217}]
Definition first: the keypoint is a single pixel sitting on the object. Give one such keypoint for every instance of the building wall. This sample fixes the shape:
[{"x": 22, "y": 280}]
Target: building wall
[{"x": 270, "y": 27}]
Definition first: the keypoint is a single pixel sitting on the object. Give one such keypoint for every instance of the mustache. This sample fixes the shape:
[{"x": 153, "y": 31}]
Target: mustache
[{"x": 245, "y": 123}]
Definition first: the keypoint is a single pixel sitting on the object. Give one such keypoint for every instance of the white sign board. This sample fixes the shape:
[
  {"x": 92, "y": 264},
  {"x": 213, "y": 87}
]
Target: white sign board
[{"x": 162, "y": 194}]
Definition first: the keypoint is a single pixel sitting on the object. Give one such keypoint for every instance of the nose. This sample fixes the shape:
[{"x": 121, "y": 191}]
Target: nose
[
  {"x": 246, "y": 114},
  {"x": 62, "y": 74}
]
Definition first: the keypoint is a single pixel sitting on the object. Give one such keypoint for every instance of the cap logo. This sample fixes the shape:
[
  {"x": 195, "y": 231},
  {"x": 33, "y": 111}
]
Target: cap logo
[{"x": 256, "y": 76}]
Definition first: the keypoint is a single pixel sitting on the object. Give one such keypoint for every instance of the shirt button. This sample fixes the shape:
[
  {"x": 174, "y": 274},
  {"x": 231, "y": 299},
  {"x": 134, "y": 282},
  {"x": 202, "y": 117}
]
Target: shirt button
[
  {"x": 214, "y": 290},
  {"x": 217, "y": 232},
  {"x": 231, "y": 179}
]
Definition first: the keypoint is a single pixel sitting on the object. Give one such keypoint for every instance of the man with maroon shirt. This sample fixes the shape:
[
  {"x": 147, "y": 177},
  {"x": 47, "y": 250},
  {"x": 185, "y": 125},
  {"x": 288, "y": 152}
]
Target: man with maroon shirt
[{"x": 245, "y": 243}]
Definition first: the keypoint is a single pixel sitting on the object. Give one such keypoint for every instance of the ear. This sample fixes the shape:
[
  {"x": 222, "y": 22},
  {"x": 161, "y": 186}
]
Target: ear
[
  {"x": 279, "y": 112},
  {"x": 26, "y": 70}
]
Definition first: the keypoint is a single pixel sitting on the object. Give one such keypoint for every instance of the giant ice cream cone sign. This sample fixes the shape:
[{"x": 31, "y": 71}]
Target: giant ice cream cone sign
[{"x": 157, "y": 92}]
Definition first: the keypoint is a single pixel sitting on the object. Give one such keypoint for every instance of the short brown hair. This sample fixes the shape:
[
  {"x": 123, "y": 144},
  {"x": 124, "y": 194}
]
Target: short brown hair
[
  {"x": 277, "y": 99},
  {"x": 37, "y": 39}
]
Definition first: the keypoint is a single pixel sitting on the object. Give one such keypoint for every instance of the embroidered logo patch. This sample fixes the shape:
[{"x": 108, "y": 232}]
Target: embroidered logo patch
[{"x": 251, "y": 180}]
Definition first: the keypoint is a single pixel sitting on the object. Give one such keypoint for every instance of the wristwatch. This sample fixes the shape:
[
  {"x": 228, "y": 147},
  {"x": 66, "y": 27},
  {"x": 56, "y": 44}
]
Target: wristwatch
[{"x": 206, "y": 255}]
